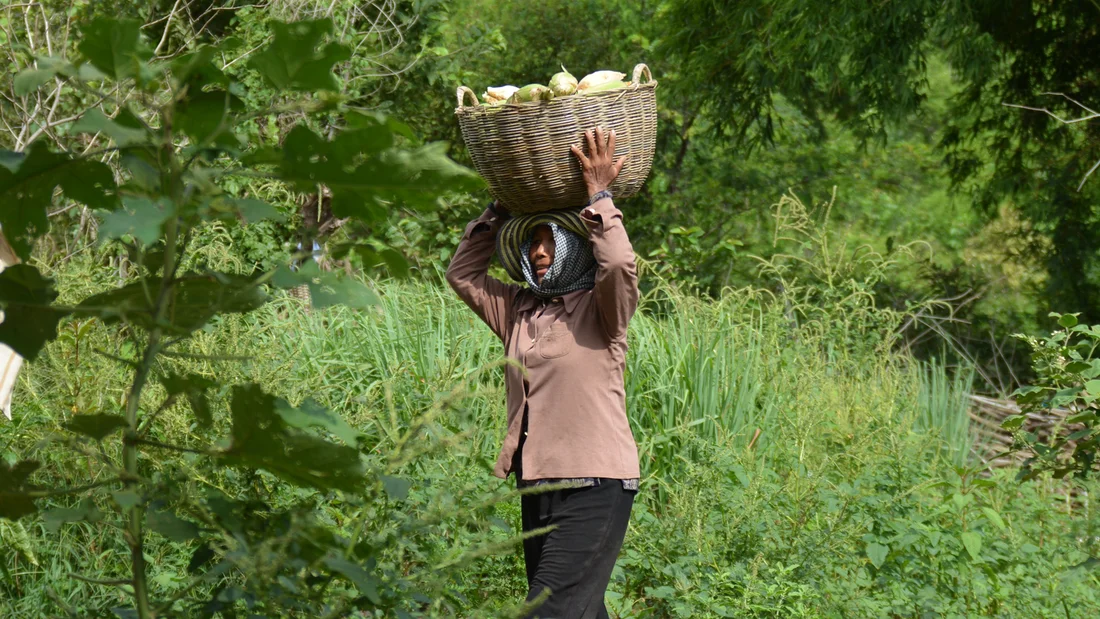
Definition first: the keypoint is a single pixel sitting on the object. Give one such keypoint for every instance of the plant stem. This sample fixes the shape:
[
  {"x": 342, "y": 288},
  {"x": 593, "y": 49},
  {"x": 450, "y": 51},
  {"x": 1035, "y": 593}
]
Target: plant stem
[{"x": 134, "y": 535}]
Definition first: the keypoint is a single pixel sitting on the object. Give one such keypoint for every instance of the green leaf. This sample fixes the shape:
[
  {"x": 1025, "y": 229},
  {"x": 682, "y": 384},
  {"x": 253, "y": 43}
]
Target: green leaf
[
  {"x": 113, "y": 46},
  {"x": 249, "y": 210},
  {"x": 27, "y": 190},
  {"x": 311, "y": 414},
  {"x": 15, "y": 536},
  {"x": 194, "y": 387},
  {"x": 207, "y": 117},
  {"x": 366, "y": 181},
  {"x": 1086, "y": 417},
  {"x": 994, "y": 517},
  {"x": 877, "y": 553},
  {"x": 192, "y": 301},
  {"x": 972, "y": 541},
  {"x": 295, "y": 59},
  {"x": 1077, "y": 367},
  {"x": 98, "y": 426},
  {"x": 1091, "y": 563},
  {"x": 1093, "y": 387},
  {"x": 366, "y": 583},
  {"x": 95, "y": 121},
  {"x": 14, "y": 501},
  {"x": 961, "y": 500},
  {"x": 1013, "y": 422},
  {"x": 1067, "y": 320},
  {"x": 170, "y": 525},
  {"x": 260, "y": 438},
  {"x": 29, "y": 319},
  {"x": 138, "y": 216},
  {"x": 203, "y": 555},
  {"x": 30, "y": 80},
  {"x": 326, "y": 288},
  {"x": 126, "y": 499},
  {"x": 397, "y": 265},
  {"x": 396, "y": 487},
  {"x": 86, "y": 512},
  {"x": 197, "y": 70}
]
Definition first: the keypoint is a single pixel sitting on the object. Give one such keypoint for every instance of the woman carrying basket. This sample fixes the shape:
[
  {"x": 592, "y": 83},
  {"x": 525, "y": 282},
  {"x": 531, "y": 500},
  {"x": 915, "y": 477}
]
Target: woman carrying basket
[{"x": 567, "y": 423}]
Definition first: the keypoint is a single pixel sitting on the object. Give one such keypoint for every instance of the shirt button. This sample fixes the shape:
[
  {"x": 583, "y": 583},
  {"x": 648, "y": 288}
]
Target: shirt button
[{"x": 557, "y": 299}]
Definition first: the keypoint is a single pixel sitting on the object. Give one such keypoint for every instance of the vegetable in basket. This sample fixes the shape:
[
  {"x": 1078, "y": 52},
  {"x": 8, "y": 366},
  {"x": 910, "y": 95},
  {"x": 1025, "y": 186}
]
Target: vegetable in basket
[
  {"x": 563, "y": 84},
  {"x": 495, "y": 95},
  {"x": 599, "y": 78},
  {"x": 531, "y": 92}
]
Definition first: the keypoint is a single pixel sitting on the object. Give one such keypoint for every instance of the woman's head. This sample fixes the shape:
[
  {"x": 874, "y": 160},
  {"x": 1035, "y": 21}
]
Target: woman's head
[
  {"x": 541, "y": 252},
  {"x": 549, "y": 251}
]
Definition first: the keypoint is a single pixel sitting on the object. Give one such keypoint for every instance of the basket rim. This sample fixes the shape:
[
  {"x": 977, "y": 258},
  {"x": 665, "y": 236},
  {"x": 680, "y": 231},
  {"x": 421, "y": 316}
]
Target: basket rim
[{"x": 477, "y": 110}]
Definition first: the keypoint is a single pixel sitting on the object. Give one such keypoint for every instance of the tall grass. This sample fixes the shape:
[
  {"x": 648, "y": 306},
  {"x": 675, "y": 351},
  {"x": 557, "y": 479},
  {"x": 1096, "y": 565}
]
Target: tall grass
[
  {"x": 942, "y": 408},
  {"x": 705, "y": 381}
]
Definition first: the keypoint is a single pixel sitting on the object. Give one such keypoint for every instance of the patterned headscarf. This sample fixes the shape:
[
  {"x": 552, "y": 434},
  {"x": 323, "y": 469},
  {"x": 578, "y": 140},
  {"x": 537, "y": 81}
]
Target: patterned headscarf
[{"x": 574, "y": 266}]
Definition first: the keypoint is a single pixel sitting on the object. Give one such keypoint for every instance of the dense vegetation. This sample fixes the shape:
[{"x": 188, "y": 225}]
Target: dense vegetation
[{"x": 842, "y": 229}]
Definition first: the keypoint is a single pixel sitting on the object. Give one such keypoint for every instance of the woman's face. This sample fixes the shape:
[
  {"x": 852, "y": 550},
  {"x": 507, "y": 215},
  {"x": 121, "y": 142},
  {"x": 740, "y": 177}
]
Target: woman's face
[{"x": 541, "y": 253}]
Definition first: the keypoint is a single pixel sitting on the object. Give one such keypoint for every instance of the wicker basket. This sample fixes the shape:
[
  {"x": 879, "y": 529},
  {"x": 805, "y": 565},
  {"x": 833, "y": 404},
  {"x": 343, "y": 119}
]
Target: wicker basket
[{"x": 522, "y": 149}]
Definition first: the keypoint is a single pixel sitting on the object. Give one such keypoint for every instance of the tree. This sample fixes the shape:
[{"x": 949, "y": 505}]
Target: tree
[{"x": 866, "y": 65}]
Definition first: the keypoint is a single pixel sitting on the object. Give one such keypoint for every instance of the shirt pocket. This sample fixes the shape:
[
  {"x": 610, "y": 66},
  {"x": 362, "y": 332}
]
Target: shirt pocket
[{"x": 557, "y": 342}]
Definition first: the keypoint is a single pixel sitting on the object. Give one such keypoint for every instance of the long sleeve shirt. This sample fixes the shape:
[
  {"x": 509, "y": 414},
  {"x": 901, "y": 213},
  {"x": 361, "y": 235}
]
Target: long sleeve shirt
[{"x": 572, "y": 349}]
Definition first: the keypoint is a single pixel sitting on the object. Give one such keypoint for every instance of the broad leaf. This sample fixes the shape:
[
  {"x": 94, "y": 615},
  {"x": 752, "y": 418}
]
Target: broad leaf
[
  {"x": 138, "y": 216},
  {"x": 98, "y": 426},
  {"x": 877, "y": 553},
  {"x": 207, "y": 117},
  {"x": 365, "y": 181},
  {"x": 113, "y": 46},
  {"x": 311, "y": 414},
  {"x": 194, "y": 388},
  {"x": 192, "y": 301},
  {"x": 262, "y": 439},
  {"x": 972, "y": 541},
  {"x": 248, "y": 210},
  {"x": 197, "y": 70},
  {"x": 326, "y": 288},
  {"x": 29, "y": 319},
  {"x": 169, "y": 524},
  {"x": 94, "y": 121},
  {"x": 85, "y": 512},
  {"x": 14, "y": 501},
  {"x": 364, "y": 581},
  {"x": 30, "y": 80},
  {"x": 296, "y": 60},
  {"x": 994, "y": 517},
  {"x": 1067, "y": 320},
  {"x": 126, "y": 499},
  {"x": 1093, "y": 387},
  {"x": 396, "y": 487},
  {"x": 27, "y": 190}
]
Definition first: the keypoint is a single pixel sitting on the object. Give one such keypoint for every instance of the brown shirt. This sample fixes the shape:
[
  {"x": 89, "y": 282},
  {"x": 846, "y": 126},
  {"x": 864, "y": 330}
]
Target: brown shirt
[{"x": 573, "y": 349}]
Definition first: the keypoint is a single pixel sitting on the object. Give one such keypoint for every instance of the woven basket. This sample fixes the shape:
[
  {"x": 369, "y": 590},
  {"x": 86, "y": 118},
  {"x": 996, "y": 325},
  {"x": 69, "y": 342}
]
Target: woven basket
[{"x": 522, "y": 149}]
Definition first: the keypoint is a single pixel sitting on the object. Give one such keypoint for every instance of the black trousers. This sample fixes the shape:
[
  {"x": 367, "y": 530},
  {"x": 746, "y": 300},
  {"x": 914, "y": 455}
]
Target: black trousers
[{"x": 574, "y": 561}]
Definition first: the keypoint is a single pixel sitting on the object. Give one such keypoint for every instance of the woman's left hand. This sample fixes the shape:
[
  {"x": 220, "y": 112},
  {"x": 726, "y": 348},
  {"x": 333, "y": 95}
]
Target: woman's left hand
[{"x": 600, "y": 168}]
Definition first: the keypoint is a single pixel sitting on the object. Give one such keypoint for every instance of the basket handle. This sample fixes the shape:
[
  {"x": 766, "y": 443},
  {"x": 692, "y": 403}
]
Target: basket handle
[
  {"x": 638, "y": 70},
  {"x": 464, "y": 93}
]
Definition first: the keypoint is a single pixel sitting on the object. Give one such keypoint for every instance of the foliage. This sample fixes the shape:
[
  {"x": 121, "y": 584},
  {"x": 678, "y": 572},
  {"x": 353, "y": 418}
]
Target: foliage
[
  {"x": 172, "y": 157},
  {"x": 1067, "y": 371},
  {"x": 867, "y": 66},
  {"x": 765, "y": 528}
]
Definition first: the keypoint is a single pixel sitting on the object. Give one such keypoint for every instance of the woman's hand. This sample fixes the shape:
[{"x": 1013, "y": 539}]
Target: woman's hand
[{"x": 599, "y": 167}]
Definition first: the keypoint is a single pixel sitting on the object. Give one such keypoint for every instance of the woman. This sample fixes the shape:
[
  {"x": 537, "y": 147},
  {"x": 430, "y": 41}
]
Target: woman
[{"x": 567, "y": 407}]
